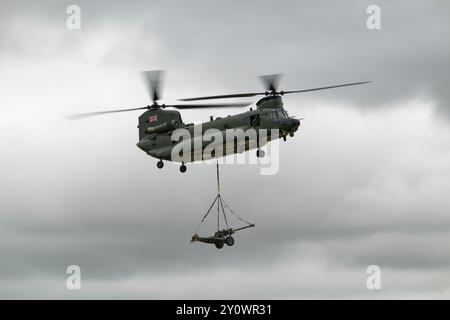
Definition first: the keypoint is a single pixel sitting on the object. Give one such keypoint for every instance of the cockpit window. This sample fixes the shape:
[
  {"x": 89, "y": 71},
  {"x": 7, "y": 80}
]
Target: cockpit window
[
  {"x": 283, "y": 114},
  {"x": 276, "y": 115},
  {"x": 273, "y": 115}
]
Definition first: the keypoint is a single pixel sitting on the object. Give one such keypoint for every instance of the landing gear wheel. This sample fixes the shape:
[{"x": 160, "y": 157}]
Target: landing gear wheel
[
  {"x": 183, "y": 168},
  {"x": 229, "y": 240},
  {"x": 160, "y": 164},
  {"x": 219, "y": 244},
  {"x": 284, "y": 137},
  {"x": 260, "y": 153},
  {"x": 291, "y": 134}
]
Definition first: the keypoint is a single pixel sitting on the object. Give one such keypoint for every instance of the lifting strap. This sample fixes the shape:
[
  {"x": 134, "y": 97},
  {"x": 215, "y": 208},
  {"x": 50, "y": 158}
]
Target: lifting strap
[
  {"x": 218, "y": 177},
  {"x": 220, "y": 205}
]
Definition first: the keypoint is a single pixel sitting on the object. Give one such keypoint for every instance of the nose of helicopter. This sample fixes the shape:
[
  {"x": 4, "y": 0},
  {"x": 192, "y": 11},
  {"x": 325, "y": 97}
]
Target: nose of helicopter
[
  {"x": 295, "y": 123},
  {"x": 290, "y": 125}
]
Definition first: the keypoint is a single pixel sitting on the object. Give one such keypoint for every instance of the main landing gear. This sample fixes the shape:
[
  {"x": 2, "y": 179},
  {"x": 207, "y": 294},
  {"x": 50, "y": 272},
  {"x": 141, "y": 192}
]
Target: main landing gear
[
  {"x": 160, "y": 165},
  {"x": 260, "y": 153}
]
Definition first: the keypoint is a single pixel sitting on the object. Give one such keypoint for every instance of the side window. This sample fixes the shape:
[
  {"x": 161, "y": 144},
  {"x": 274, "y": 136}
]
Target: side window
[{"x": 255, "y": 120}]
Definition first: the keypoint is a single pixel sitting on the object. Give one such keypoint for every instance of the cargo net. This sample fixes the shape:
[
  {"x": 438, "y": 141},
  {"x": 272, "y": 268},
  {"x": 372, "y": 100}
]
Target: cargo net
[{"x": 221, "y": 236}]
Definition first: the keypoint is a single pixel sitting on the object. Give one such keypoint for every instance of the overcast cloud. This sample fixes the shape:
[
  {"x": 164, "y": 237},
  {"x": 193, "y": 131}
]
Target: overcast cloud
[{"x": 365, "y": 182}]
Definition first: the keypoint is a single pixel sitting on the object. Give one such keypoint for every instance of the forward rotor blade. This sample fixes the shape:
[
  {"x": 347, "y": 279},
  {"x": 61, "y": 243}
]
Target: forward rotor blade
[
  {"x": 271, "y": 81},
  {"x": 213, "y": 105},
  {"x": 153, "y": 81},
  {"x": 226, "y": 96},
  {"x": 79, "y": 116},
  {"x": 324, "y": 88},
  {"x": 252, "y": 94}
]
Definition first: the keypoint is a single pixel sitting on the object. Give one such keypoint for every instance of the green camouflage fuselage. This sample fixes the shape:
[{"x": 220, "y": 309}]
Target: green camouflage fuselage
[{"x": 157, "y": 126}]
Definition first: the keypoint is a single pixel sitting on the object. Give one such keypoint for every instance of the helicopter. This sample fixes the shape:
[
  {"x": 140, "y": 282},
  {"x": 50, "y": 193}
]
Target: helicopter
[{"x": 156, "y": 125}]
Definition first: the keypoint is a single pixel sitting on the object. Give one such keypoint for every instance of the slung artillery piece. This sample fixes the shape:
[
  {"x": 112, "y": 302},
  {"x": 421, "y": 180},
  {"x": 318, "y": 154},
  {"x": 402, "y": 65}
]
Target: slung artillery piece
[{"x": 220, "y": 237}]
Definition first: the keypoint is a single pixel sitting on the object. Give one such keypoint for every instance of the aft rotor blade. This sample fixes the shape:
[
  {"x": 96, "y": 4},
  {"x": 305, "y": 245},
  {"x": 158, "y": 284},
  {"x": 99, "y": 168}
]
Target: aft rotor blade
[
  {"x": 324, "y": 88},
  {"x": 226, "y": 96},
  {"x": 213, "y": 105},
  {"x": 153, "y": 80},
  {"x": 79, "y": 116}
]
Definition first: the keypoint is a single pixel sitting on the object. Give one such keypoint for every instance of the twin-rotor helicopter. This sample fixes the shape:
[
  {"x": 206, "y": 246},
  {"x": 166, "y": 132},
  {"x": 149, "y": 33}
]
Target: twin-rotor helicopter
[{"x": 157, "y": 124}]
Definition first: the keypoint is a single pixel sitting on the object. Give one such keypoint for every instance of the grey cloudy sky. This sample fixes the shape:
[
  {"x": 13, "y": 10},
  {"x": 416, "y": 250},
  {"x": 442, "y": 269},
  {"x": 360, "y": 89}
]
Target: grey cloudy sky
[{"x": 366, "y": 182}]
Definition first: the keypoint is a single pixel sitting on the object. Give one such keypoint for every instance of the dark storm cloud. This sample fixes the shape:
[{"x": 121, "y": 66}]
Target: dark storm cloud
[
  {"x": 315, "y": 44},
  {"x": 345, "y": 196}
]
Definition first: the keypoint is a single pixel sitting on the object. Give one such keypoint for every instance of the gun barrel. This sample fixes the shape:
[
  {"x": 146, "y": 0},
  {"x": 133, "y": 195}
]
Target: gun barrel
[{"x": 241, "y": 228}]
